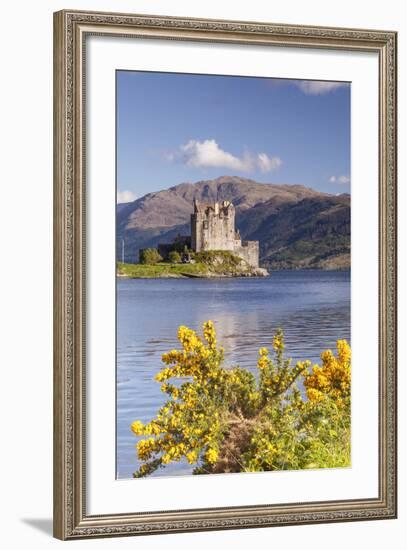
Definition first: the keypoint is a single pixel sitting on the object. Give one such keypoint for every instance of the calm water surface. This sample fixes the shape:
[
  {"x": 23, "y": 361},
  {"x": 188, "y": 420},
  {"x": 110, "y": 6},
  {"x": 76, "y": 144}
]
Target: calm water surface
[{"x": 313, "y": 308}]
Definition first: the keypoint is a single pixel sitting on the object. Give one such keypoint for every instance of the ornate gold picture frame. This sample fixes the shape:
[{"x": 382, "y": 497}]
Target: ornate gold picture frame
[{"x": 71, "y": 31}]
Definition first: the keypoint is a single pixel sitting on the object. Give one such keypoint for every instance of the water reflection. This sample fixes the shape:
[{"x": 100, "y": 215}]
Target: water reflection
[{"x": 313, "y": 308}]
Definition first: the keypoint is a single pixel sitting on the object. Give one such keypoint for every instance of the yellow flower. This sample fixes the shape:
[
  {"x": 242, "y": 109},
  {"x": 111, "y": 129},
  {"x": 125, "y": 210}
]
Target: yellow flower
[
  {"x": 344, "y": 352},
  {"x": 163, "y": 375},
  {"x": 211, "y": 456},
  {"x": 145, "y": 448},
  {"x": 192, "y": 457},
  {"x": 333, "y": 377},
  {"x": 263, "y": 362},
  {"x": 314, "y": 395},
  {"x": 210, "y": 334},
  {"x": 137, "y": 427},
  {"x": 278, "y": 342}
]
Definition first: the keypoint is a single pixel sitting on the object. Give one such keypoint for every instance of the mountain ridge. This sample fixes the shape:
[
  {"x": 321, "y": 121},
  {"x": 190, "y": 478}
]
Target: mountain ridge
[{"x": 297, "y": 226}]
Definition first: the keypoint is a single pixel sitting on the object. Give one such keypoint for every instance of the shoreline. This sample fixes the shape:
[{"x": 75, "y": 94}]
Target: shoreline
[
  {"x": 214, "y": 275},
  {"x": 163, "y": 270}
]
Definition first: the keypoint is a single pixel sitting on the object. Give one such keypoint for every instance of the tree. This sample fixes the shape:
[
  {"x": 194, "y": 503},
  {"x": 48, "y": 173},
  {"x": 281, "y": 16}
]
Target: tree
[
  {"x": 174, "y": 257},
  {"x": 228, "y": 420},
  {"x": 149, "y": 256}
]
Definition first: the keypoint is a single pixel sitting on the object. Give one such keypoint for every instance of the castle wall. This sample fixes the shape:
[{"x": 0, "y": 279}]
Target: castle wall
[
  {"x": 218, "y": 232},
  {"x": 248, "y": 251}
]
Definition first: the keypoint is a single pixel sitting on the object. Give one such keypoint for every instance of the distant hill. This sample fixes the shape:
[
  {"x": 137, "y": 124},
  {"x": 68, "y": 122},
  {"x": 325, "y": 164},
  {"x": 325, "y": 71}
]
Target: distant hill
[
  {"x": 297, "y": 227},
  {"x": 121, "y": 206}
]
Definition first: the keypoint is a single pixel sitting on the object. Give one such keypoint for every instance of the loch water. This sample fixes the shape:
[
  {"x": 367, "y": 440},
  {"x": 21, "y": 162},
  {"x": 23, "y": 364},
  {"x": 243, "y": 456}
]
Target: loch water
[{"x": 312, "y": 307}]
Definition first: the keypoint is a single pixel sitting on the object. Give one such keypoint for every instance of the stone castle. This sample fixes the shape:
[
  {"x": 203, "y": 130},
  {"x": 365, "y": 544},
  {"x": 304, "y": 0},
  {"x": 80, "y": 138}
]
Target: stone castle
[{"x": 213, "y": 228}]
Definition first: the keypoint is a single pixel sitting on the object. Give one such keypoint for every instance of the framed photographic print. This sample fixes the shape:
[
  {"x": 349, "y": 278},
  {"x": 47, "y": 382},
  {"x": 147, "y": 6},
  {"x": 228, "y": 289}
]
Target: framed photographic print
[{"x": 225, "y": 274}]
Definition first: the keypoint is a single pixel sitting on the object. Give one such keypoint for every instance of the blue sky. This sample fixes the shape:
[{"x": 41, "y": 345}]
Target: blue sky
[{"x": 174, "y": 128}]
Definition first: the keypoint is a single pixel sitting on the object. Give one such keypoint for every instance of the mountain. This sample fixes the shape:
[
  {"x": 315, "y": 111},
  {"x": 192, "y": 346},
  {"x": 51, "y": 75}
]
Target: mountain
[{"x": 297, "y": 227}]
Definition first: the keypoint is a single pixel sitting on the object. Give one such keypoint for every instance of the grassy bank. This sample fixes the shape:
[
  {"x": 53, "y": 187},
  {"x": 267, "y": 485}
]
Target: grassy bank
[
  {"x": 207, "y": 264},
  {"x": 162, "y": 269}
]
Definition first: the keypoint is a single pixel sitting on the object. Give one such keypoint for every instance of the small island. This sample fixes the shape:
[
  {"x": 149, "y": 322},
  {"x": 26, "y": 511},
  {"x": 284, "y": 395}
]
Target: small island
[
  {"x": 208, "y": 264},
  {"x": 214, "y": 249}
]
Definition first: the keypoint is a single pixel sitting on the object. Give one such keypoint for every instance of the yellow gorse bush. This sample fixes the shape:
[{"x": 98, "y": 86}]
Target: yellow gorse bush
[
  {"x": 333, "y": 377},
  {"x": 230, "y": 420}
]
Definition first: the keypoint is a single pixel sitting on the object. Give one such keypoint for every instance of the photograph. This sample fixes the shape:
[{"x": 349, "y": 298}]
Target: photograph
[
  {"x": 233, "y": 274},
  {"x": 225, "y": 274}
]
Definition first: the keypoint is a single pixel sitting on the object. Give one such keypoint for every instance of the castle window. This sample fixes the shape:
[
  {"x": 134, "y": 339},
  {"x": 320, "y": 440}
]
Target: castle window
[{"x": 205, "y": 225}]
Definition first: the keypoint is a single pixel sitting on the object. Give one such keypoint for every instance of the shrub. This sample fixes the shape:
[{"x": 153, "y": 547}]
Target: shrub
[
  {"x": 149, "y": 256},
  {"x": 224, "y": 257},
  {"x": 228, "y": 420},
  {"x": 174, "y": 257}
]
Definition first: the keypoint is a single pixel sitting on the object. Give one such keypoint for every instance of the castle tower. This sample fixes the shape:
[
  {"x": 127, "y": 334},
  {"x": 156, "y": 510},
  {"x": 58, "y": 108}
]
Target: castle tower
[{"x": 213, "y": 228}]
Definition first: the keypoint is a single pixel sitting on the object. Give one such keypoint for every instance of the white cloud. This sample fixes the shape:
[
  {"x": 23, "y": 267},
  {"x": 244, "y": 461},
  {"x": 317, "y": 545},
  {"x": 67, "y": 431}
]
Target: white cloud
[
  {"x": 318, "y": 87},
  {"x": 125, "y": 196},
  {"x": 208, "y": 154},
  {"x": 267, "y": 164},
  {"x": 339, "y": 179}
]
